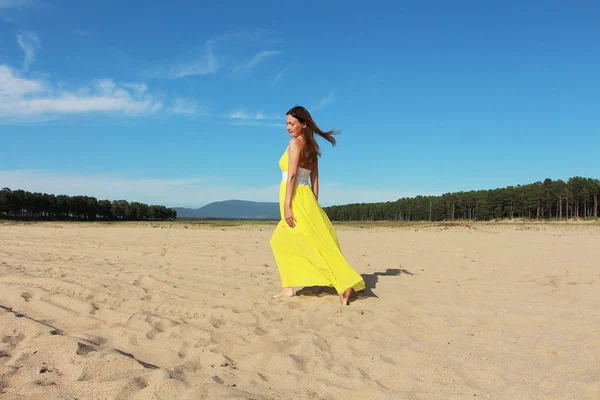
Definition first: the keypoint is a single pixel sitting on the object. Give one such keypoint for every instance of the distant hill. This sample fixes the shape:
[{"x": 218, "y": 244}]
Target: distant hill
[{"x": 232, "y": 209}]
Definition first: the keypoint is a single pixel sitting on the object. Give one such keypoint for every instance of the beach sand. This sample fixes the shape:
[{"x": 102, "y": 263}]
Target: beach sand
[{"x": 183, "y": 311}]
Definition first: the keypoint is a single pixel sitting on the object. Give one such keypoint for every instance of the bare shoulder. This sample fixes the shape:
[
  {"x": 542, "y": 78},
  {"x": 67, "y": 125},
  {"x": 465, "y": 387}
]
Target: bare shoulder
[{"x": 297, "y": 144}]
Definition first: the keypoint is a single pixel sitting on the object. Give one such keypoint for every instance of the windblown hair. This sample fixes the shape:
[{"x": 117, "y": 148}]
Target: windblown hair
[{"x": 311, "y": 151}]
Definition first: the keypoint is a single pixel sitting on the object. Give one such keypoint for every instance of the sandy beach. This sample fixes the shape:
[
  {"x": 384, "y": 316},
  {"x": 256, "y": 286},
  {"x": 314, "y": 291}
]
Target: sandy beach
[{"x": 183, "y": 311}]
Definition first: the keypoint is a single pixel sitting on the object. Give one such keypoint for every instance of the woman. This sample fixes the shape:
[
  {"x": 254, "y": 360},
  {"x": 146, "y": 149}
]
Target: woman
[{"x": 305, "y": 244}]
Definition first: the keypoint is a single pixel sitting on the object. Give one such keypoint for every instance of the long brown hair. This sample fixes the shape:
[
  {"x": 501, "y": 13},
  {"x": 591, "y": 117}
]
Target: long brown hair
[{"x": 311, "y": 151}]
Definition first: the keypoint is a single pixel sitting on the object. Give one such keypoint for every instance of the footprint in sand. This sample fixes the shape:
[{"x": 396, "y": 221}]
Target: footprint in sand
[
  {"x": 13, "y": 340},
  {"x": 83, "y": 349},
  {"x": 388, "y": 360},
  {"x": 217, "y": 322}
]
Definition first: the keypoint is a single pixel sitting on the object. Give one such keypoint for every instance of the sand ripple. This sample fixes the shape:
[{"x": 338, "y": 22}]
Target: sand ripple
[{"x": 136, "y": 312}]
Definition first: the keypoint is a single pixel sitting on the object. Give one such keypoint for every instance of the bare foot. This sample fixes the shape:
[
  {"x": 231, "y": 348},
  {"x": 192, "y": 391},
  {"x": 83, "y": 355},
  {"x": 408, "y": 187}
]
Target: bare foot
[
  {"x": 345, "y": 297},
  {"x": 284, "y": 292}
]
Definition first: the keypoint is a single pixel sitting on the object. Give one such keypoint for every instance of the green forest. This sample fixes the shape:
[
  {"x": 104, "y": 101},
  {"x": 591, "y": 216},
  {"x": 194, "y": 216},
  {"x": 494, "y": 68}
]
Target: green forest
[
  {"x": 20, "y": 204},
  {"x": 550, "y": 199}
]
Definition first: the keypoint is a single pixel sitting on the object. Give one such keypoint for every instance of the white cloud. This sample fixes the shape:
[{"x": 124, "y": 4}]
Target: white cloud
[
  {"x": 278, "y": 77},
  {"x": 244, "y": 118},
  {"x": 15, "y": 3},
  {"x": 178, "y": 192},
  {"x": 24, "y": 99},
  {"x": 205, "y": 66},
  {"x": 83, "y": 32},
  {"x": 246, "y": 122},
  {"x": 243, "y": 114},
  {"x": 29, "y": 42},
  {"x": 325, "y": 101},
  {"x": 257, "y": 59},
  {"x": 28, "y": 99},
  {"x": 138, "y": 87},
  {"x": 239, "y": 115},
  {"x": 257, "y": 36},
  {"x": 187, "y": 107},
  {"x": 208, "y": 63},
  {"x": 12, "y": 86}
]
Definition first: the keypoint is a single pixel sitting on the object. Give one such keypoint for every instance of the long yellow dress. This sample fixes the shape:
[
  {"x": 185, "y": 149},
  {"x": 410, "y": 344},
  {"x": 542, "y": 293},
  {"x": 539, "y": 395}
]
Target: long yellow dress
[{"x": 309, "y": 254}]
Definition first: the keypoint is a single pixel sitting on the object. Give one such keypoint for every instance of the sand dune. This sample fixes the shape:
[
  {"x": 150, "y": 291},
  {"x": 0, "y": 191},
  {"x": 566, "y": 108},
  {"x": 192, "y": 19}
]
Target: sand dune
[{"x": 182, "y": 311}]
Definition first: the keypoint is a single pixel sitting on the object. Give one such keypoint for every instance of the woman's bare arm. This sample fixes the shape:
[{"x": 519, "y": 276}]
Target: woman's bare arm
[
  {"x": 294, "y": 157},
  {"x": 293, "y": 161}
]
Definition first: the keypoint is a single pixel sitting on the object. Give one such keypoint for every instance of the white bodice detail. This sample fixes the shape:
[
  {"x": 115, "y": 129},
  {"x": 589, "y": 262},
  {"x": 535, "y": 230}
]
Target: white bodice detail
[{"x": 302, "y": 176}]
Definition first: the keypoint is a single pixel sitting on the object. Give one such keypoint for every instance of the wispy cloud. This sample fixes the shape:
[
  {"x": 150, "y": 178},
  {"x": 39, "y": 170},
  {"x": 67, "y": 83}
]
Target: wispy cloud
[
  {"x": 187, "y": 107},
  {"x": 4, "y": 4},
  {"x": 325, "y": 101},
  {"x": 250, "y": 122},
  {"x": 278, "y": 77},
  {"x": 29, "y": 42},
  {"x": 207, "y": 63},
  {"x": 256, "y": 36},
  {"x": 194, "y": 192},
  {"x": 14, "y": 87},
  {"x": 242, "y": 117},
  {"x": 9, "y": 9},
  {"x": 83, "y": 32},
  {"x": 23, "y": 99},
  {"x": 243, "y": 114},
  {"x": 257, "y": 59}
]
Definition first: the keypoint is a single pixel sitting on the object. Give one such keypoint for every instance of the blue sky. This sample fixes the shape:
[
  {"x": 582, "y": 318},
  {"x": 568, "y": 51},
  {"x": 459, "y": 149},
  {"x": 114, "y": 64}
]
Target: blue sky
[{"x": 183, "y": 103}]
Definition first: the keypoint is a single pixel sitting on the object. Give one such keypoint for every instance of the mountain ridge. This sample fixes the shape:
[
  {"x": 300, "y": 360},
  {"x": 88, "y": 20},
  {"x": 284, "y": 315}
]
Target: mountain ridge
[{"x": 232, "y": 209}]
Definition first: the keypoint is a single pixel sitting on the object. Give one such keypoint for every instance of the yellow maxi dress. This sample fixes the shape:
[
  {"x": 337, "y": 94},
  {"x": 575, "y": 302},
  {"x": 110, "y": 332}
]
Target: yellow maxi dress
[{"x": 309, "y": 254}]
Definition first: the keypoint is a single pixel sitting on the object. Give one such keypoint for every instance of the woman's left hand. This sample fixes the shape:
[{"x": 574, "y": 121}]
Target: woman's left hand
[{"x": 289, "y": 217}]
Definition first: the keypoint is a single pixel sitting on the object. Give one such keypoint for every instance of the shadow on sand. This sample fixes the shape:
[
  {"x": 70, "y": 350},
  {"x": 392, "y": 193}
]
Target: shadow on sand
[{"x": 371, "y": 281}]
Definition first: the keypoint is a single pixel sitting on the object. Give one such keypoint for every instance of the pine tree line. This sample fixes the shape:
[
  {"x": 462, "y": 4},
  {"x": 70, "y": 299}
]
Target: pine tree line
[
  {"x": 576, "y": 198},
  {"x": 20, "y": 204}
]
